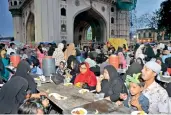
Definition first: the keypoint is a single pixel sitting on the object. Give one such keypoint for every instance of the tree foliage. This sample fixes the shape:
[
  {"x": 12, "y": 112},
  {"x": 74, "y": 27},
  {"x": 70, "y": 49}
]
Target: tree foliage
[
  {"x": 148, "y": 20},
  {"x": 164, "y": 22}
]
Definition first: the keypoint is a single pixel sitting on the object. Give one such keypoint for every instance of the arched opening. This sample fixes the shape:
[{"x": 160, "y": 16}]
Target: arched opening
[
  {"x": 91, "y": 26},
  {"x": 15, "y": 2},
  {"x": 144, "y": 35},
  {"x": 112, "y": 20},
  {"x": 11, "y": 3},
  {"x": 112, "y": 9},
  {"x": 30, "y": 29},
  {"x": 63, "y": 12},
  {"x": 89, "y": 33}
]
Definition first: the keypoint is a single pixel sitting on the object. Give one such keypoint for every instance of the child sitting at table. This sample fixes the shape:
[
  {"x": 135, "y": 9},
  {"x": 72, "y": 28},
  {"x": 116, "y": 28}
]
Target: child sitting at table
[
  {"x": 61, "y": 68},
  {"x": 34, "y": 106},
  {"x": 135, "y": 100}
]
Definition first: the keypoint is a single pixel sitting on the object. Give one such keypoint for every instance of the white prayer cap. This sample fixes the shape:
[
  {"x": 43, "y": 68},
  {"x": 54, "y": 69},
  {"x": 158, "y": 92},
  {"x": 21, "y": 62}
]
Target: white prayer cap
[{"x": 153, "y": 66}]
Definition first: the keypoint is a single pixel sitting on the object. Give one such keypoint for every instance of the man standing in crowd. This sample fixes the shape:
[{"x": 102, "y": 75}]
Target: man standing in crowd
[{"x": 158, "y": 97}]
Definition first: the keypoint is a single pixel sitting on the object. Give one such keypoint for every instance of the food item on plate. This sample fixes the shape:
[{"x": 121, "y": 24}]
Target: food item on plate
[
  {"x": 68, "y": 84},
  {"x": 141, "y": 113},
  {"x": 57, "y": 96},
  {"x": 83, "y": 91},
  {"x": 79, "y": 111},
  {"x": 79, "y": 84}
]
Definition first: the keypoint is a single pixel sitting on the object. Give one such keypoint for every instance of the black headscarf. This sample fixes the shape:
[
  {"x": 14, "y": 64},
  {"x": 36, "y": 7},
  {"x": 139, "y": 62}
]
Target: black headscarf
[
  {"x": 75, "y": 70},
  {"x": 149, "y": 52},
  {"x": 133, "y": 69},
  {"x": 70, "y": 59},
  {"x": 114, "y": 86},
  {"x": 12, "y": 95},
  {"x": 22, "y": 70},
  {"x": 168, "y": 62}
]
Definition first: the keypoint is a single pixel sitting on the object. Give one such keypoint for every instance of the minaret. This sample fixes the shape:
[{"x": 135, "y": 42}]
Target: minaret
[{"x": 14, "y": 8}]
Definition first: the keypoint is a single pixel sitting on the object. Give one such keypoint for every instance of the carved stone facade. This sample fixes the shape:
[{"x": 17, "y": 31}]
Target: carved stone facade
[{"x": 57, "y": 20}]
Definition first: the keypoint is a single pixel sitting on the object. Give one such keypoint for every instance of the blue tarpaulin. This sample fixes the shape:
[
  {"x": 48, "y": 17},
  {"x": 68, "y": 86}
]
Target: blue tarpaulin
[{"x": 127, "y": 5}]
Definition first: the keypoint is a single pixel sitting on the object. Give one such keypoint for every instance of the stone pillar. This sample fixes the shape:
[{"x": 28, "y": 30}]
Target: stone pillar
[{"x": 17, "y": 21}]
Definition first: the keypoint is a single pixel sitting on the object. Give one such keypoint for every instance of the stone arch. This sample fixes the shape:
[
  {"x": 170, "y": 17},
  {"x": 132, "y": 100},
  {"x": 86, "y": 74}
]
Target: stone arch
[
  {"x": 30, "y": 28},
  {"x": 15, "y": 3},
  {"x": 112, "y": 20},
  {"x": 99, "y": 25}
]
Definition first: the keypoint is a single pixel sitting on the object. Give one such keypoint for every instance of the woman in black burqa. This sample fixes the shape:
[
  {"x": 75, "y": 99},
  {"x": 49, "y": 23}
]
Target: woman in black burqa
[
  {"x": 23, "y": 70},
  {"x": 112, "y": 87},
  {"x": 12, "y": 95},
  {"x": 132, "y": 69}
]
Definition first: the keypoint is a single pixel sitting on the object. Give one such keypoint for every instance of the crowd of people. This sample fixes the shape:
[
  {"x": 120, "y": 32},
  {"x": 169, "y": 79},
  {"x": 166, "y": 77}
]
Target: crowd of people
[{"x": 138, "y": 88}]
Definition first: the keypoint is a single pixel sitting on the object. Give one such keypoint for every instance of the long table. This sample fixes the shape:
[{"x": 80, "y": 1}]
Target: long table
[
  {"x": 103, "y": 107},
  {"x": 74, "y": 99}
]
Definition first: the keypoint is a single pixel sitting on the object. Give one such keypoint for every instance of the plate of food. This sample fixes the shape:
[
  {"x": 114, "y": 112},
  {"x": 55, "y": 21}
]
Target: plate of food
[
  {"x": 57, "y": 96},
  {"x": 83, "y": 91},
  {"x": 68, "y": 84},
  {"x": 79, "y": 111},
  {"x": 78, "y": 84},
  {"x": 138, "y": 113}
]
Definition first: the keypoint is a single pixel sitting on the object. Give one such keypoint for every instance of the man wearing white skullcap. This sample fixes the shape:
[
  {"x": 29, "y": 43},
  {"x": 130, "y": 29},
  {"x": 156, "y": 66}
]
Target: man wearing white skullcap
[{"x": 158, "y": 96}]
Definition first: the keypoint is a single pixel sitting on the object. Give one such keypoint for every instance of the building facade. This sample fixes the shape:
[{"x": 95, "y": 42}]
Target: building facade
[
  {"x": 57, "y": 20},
  {"x": 147, "y": 35}
]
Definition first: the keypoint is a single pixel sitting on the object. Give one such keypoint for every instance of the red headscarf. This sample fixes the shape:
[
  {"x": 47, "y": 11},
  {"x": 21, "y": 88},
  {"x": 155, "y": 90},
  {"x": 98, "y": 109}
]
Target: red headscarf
[{"x": 88, "y": 77}]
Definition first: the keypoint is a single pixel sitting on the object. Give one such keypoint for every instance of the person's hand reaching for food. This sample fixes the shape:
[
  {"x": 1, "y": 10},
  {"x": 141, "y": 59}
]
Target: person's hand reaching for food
[{"x": 38, "y": 95}]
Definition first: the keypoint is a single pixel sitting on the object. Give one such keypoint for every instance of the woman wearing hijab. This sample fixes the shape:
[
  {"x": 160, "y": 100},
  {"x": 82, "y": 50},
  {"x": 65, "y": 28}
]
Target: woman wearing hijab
[
  {"x": 58, "y": 54},
  {"x": 12, "y": 95},
  {"x": 133, "y": 69},
  {"x": 74, "y": 70},
  {"x": 86, "y": 77},
  {"x": 70, "y": 59},
  {"x": 158, "y": 53},
  {"x": 139, "y": 51},
  {"x": 110, "y": 84},
  {"x": 149, "y": 53},
  {"x": 23, "y": 69},
  {"x": 70, "y": 51},
  {"x": 5, "y": 73}
]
